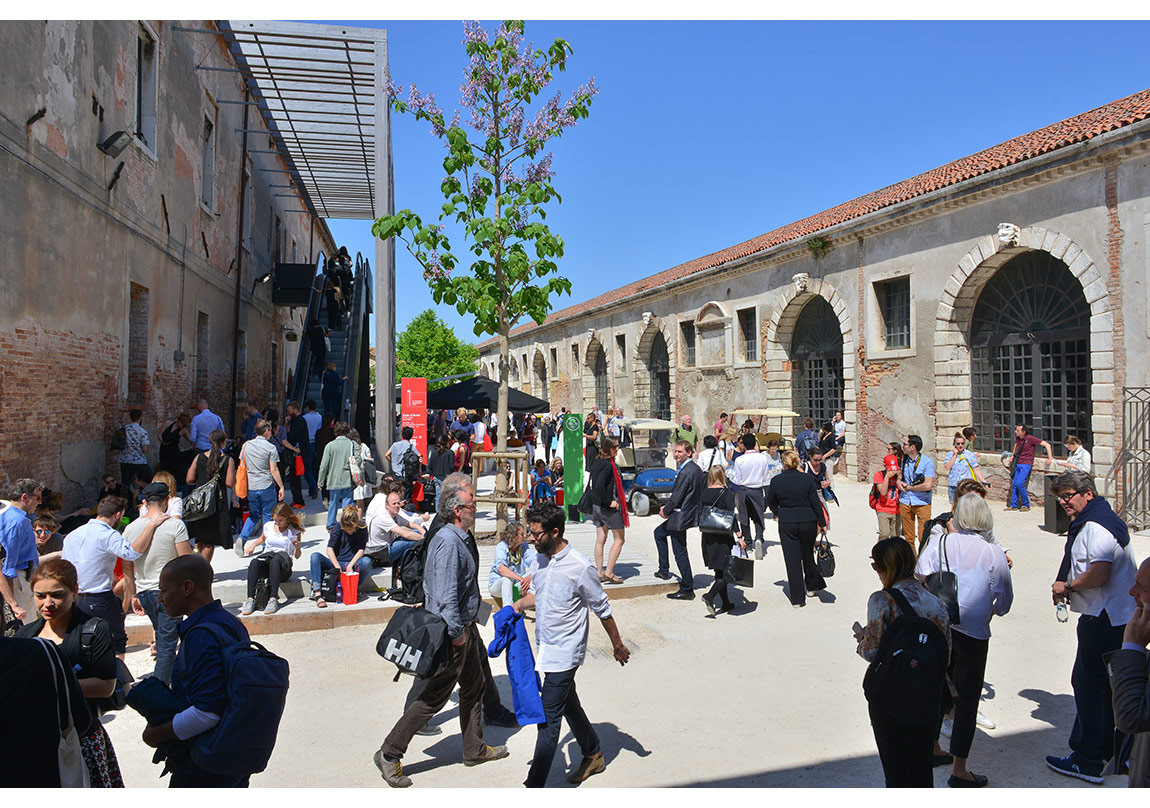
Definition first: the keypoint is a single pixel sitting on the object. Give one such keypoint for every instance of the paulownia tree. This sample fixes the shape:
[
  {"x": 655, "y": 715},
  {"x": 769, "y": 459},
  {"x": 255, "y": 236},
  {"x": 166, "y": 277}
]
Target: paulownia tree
[{"x": 497, "y": 186}]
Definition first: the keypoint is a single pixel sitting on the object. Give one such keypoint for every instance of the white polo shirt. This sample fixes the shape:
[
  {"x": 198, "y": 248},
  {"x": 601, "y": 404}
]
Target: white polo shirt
[
  {"x": 565, "y": 587},
  {"x": 1096, "y": 543},
  {"x": 752, "y": 470}
]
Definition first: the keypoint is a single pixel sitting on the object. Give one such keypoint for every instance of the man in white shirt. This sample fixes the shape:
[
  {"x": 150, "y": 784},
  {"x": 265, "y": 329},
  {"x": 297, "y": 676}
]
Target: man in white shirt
[
  {"x": 93, "y": 549},
  {"x": 1096, "y": 576},
  {"x": 143, "y": 575},
  {"x": 564, "y": 585},
  {"x": 204, "y": 425},
  {"x": 840, "y": 428},
  {"x": 383, "y": 530},
  {"x": 752, "y": 474},
  {"x": 711, "y": 455}
]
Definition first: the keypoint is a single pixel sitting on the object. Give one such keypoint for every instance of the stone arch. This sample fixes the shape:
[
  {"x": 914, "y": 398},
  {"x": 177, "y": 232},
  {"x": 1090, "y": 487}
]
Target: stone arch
[
  {"x": 640, "y": 361},
  {"x": 776, "y": 363},
  {"x": 952, "y": 351},
  {"x": 599, "y": 374},
  {"x": 712, "y": 311}
]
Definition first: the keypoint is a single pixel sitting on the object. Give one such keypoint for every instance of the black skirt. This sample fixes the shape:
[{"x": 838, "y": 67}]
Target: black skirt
[{"x": 717, "y": 550}]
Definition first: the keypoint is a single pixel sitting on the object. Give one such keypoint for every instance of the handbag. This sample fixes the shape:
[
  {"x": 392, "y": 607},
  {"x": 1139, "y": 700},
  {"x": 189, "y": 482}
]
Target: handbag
[
  {"x": 944, "y": 585},
  {"x": 355, "y": 466},
  {"x": 585, "y": 504},
  {"x": 824, "y": 557},
  {"x": 204, "y": 500},
  {"x": 740, "y": 571},
  {"x": 299, "y": 469},
  {"x": 241, "y": 487},
  {"x": 73, "y": 769},
  {"x": 712, "y": 518},
  {"x": 415, "y": 640}
]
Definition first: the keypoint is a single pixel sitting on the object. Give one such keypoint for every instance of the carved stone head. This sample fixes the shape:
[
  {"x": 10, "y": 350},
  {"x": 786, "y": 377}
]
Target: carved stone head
[
  {"x": 1008, "y": 234},
  {"x": 802, "y": 280}
]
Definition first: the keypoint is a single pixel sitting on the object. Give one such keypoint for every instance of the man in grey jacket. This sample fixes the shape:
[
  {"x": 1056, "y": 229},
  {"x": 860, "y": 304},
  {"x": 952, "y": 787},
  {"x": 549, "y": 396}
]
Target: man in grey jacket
[
  {"x": 451, "y": 590},
  {"x": 1129, "y": 670}
]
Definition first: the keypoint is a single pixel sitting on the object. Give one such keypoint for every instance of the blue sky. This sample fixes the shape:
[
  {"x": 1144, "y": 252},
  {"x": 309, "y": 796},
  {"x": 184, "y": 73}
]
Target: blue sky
[{"x": 705, "y": 134}]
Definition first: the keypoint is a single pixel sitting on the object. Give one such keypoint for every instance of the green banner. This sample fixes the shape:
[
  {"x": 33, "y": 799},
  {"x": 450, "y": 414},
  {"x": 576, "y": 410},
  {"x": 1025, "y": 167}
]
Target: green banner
[{"x": 572, "y": 442}]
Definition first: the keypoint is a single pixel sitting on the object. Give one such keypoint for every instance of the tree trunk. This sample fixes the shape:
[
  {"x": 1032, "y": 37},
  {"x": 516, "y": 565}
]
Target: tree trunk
[{"x": 502, "y": 422}]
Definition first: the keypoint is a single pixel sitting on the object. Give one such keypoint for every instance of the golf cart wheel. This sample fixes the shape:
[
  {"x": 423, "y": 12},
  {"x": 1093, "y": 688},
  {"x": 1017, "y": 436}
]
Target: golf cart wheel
[{"x": 640, "y": 504}]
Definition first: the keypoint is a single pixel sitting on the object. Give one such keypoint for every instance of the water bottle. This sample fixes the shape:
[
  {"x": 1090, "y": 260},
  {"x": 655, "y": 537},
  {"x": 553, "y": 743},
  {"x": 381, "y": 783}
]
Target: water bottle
[
  {"x": 339, "y": 591},
  {"x": 1061, "y": 612},
  {"x": 515, "y": 590}
]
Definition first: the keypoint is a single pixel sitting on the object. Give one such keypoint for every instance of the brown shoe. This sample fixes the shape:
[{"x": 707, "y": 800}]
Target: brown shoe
[
  {"x": 489, "y": 753},
  {"x": 589, "y": 766},
  {"x": 1024, "y": 508},
  {"x": 392, "y": 771}
]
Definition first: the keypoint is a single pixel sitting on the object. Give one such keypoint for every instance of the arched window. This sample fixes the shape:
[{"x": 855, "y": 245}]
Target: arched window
[
  {"x": 659, "y": 365},
  {"x": 1030, "y": 354},
  {"x": 540, "y": 375},
  {"x": 817, "y": 362},
  {"x": 598, "y": 362}
]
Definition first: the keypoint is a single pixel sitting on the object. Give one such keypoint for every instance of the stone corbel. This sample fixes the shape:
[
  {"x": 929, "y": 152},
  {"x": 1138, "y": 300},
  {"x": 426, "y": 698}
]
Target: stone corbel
[{"x": 1008, "y": 234}]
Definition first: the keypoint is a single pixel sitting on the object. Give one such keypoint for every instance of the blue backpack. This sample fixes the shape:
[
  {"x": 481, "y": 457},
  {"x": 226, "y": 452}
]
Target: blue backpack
[{"x": 243, "y": 741}]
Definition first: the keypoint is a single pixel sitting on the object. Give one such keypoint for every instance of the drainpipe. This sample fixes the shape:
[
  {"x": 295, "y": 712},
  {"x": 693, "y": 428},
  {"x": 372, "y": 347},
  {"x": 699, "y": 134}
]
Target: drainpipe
[{"x": 239, "y": 269}]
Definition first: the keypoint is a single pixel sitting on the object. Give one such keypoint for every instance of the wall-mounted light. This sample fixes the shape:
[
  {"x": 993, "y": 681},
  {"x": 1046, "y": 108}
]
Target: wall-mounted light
[
  {"x": 267, "y": 276},
  {"x": 115, "y": 143},
  {"x": 37, "y": 115}
]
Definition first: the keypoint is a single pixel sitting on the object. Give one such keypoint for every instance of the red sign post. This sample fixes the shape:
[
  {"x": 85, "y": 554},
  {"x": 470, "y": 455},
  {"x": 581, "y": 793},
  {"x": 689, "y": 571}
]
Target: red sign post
[{"x": 413, "y": 411}]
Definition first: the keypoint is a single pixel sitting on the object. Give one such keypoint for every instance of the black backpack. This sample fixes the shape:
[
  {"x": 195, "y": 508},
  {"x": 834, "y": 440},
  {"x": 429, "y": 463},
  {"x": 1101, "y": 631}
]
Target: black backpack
[
  {"x": 116, "y": 701},
  {"x": 411, "y": 573},
  {"x": 411, "y": 465},
  {"x": 907, "y": 679}
]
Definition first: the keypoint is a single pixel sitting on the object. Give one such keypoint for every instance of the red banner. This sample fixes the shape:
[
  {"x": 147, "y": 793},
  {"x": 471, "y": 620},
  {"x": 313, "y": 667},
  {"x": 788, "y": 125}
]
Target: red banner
[{"x": 413, "y": 411}]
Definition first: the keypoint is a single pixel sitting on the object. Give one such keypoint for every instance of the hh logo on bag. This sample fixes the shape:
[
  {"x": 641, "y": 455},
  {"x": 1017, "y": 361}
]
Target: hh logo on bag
[{"x": 402, "y": 655}]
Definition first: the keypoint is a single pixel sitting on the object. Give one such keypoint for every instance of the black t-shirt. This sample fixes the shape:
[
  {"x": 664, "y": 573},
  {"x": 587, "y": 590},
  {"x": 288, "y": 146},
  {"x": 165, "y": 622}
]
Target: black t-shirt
[
  {"x": 440, "y": 464},
  {"x": 297, "y": 434},
  {"x": 99, "y": 664},
  {"x": 827, "y": 443},
  {"x": 345, "y": 545}
]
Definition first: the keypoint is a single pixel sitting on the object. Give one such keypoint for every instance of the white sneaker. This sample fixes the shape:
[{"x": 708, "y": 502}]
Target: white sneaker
[
  {"x": 758, "y": 549},
  {"x": 272, "y": 607},
  {"x": 947, "y": 727},
  {"x": 984, "y": 722},
  {"x": 249, "y": 606}
]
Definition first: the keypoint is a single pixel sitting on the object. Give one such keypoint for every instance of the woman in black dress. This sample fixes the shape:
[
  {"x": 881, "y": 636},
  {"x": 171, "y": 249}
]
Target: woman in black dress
[
  {"x": 54, "y": 588},
  {"x": 793, "y": 497},
  {"x": 215, "y": 530},
  {"x": 608, "y": 509},
  {"x": 717, "y": 546}
]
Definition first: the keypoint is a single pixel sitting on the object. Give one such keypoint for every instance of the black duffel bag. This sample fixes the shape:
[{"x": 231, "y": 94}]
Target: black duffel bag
[{"x": 416, "y": 642}]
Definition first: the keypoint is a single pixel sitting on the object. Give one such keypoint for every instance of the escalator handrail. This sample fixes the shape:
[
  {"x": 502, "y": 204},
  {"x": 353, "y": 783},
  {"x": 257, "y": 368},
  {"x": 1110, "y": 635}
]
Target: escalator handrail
[
  {"x": 303, "y": 361},
  {"x": 353, "y": 343}
]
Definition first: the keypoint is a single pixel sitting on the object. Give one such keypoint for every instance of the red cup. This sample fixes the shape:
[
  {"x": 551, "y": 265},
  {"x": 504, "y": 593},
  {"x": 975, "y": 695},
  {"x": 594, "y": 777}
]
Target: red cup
[{"x": 350, "y": 584}]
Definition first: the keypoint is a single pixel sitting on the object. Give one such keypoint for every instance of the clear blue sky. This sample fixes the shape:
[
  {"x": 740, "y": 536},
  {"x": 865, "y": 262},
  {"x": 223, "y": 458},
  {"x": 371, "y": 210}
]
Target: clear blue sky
[{"x": 705, "y": 134}]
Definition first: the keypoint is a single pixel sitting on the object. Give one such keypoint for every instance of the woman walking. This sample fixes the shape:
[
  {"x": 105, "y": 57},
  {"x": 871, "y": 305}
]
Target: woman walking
[
  {"x": 85, "y": 645},
  {"x": 793, "y": 497},
  {"x": 984, "y": 590},
  {"x": 216, "y": 530},
  {"x": 717, "y": 546},
  {"x": 903, "y": 748},
  {"x": 608, "y": 508}
]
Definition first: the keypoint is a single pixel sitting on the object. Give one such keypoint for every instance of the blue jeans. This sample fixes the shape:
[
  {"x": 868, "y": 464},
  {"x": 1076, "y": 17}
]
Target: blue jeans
[
  {"x": 559, "y": 701},
  {"x": 339, "y": 498},
  {"x": 396, "y": 548},
  {"x": 1019, "y": 498},
  {"x": 167, "y": 633},
  {"x": 309, "y": 471},
  {"x": 320, "y": 564},
  {"x": 260, "y": 504}
]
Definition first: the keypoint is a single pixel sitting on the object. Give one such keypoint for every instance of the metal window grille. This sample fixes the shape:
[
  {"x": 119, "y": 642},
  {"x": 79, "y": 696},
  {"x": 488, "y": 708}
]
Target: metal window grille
[
  {"x": 688, "y": 330},
  {"x": 599, "y": 371},
  {"x": 1135, "y": 458},
  {"x": 817, "y": 363},
  {"x": 894, "y": 299},
  {"x": 660, "y": 369},
  {"x": 747, "y": 332}
]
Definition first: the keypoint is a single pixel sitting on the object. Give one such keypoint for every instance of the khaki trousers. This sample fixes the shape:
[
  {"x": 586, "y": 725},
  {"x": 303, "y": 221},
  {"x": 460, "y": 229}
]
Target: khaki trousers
[{"x": 909, "y": 514}]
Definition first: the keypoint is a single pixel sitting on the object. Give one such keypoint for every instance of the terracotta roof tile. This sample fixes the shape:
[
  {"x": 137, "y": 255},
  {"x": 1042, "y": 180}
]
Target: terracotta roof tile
[{"x": 1082, "y": 127}]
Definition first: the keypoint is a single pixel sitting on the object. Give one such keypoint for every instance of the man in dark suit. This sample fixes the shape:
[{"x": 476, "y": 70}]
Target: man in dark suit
[
  {"x": 681, "y": 513},
  {"x": 1129, "y": 670}
]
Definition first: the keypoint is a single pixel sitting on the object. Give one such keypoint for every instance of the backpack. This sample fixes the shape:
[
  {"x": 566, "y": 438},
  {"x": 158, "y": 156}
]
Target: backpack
[
  {"x": 807, "y": 443},
  {"x": 412, "y": 464},
  {"x": 120, "y": 439},
  {"x": 257, "y": 684},
  {"x": 907, "y": 679},
  {"x": 118, "y": 700},
  {"x": 415, "y": 640},
  {"x": 411, "y": 573},
  {"x": 874, "y": 498}
]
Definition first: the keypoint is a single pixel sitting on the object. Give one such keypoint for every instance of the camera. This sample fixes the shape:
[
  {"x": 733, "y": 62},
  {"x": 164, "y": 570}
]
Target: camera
[{"x": 918, "y": 479}]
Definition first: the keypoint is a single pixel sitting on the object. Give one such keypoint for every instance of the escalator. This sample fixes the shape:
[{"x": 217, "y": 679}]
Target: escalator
[{"x": 349, "y": 350}]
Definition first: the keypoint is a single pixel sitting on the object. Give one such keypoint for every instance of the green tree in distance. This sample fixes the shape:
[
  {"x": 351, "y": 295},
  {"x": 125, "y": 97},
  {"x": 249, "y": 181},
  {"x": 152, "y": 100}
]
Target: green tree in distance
[
  {"x": 497, "y": 187},
  {"x": 429, "y": 349}
]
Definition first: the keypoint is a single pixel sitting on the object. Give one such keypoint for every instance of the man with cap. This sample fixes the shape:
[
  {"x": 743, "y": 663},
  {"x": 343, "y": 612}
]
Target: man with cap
[
  {"x": 884, "y": 495},
  {"x": 143, "y": 575}
]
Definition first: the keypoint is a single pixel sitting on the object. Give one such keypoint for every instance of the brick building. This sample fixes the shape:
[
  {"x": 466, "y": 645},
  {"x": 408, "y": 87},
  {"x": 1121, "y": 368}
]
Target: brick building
[
  {"x": 132, "y": 266},
  {"x": 1008, "y": 286}
]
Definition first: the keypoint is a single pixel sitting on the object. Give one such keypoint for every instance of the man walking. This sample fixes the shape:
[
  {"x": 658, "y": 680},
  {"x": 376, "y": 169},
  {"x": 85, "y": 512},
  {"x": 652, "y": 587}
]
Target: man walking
[
  {"x": 298, "y": 445},
  {"x": 807, "y": 440},
  {"x": 1021, "y": 464},
  {"x": 93, "y": 549},
  {"x": 1096, "y": 576},
  {"x": 451, "y": 590},
  {"x": 18, "y": 541},
  {"x": 203, "y": 425},
  {"x": 564, "y": 587},
  {"x": 199, "y": 676},
  {"x": 915, "y": 489},
  {"x": 265, "y": 486},
  {"x": 752, "y": 474},
  {"x": 681, "y": 512},
  {"x": 143, "y": 575},
  {"x": 314, "y": 421},
  {"x": 1129, "y": 670},
  {"x": 133, "y": 457},
  {"x": 335, "y": 473}
]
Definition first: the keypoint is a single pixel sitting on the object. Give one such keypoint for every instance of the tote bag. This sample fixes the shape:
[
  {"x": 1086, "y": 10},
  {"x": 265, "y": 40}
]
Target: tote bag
[
  {"x": 73, "y": 769},
  {"x": 241, "y": 487}
]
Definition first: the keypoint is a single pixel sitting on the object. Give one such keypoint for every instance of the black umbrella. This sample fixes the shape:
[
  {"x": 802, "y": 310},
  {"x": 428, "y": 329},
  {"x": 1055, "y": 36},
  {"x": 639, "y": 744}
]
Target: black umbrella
[{"x": 483, "y": 392}]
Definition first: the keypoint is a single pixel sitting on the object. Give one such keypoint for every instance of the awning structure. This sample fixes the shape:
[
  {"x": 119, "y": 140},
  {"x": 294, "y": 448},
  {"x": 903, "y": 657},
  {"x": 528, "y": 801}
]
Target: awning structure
[{"x": 318, "y": 90}]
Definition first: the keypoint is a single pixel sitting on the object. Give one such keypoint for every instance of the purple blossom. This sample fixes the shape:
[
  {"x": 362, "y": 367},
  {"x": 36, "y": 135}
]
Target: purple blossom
[{"x": 540, "y": 171}]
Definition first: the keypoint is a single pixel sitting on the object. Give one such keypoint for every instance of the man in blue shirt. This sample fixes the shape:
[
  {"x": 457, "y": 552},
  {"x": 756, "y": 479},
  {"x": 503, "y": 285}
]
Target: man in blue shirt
[
  {"x": 806, "y": 440},
  {"x": 198, "y": 675},
  {"x": 19, "y": 543},
  {"x": 915, "y": 489},
  {"x": 204, "y": 424},
  {"x": 251, "y": 415},
  {"x": 314, "y": 421}
]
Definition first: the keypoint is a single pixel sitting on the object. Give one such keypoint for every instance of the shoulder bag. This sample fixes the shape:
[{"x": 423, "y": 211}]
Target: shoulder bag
[
  {"x": 73, "y": 769},
  {"x": 715, "y": 519},
  {"x": 241, "y": 487},
  {"x": 204, "y": 500},
  {"x": 944, "y": 584},
  {"x": 415, "y": 641}
]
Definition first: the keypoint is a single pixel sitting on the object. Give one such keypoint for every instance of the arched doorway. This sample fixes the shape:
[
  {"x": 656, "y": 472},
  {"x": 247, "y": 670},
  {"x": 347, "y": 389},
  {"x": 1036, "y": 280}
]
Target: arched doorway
[
  {"x": 659, "y": 366},
  {"x": 817, "y": 362},
  {"x": 540, "y": 375},
  {"x": 1030, "y": 353},
  {"x": 597, "y": 361}
]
